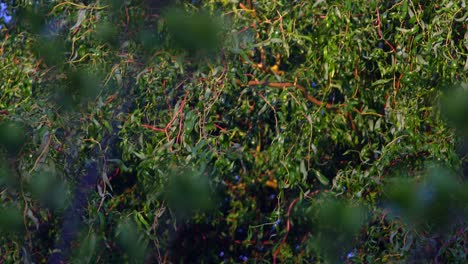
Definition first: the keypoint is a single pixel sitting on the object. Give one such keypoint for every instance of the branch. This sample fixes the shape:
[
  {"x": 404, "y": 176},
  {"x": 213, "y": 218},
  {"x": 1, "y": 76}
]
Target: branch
[{"x": 307, "y": 96}]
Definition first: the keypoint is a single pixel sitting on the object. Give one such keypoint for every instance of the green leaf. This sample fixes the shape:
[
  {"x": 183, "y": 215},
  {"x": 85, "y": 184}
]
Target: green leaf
[
  {"x": 304, "y": 171},
  {"x": 381, "y": 81},
  {"x": 322, "y": 179}
]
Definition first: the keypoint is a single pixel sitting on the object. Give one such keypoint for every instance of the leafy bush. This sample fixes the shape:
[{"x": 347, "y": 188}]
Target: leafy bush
[{"x": 233, "y": 131}]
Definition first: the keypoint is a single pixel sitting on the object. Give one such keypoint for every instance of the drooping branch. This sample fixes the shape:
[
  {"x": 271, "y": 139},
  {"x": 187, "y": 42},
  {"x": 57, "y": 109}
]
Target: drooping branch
[{"x": 306, "y": 95}]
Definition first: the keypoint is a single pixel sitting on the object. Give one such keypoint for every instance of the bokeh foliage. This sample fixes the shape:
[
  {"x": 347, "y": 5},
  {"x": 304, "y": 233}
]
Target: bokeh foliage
[{"x": 199, "y": 160}]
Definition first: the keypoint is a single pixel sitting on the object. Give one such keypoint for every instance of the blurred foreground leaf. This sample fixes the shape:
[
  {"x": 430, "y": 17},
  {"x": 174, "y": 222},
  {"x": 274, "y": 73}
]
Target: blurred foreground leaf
[
  {"x": 437, "y": 202},
  {"x": 188, "y": 191},
  {"x": 11, "y": 219},
  {"x": 131, "y": 241},
  {"x": 193, "y": 32},
  {"x": 12, "y": 136},
  {"x": 335, "y": 225},
  {"x": 454, "y": 106},
  {"x": 47, "y": 188},
  {"x": 7, "y": 178}
]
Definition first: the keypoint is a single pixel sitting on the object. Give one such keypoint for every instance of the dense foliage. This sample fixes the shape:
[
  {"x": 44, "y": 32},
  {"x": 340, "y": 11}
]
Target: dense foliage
[{"x": 233, "y": 131}]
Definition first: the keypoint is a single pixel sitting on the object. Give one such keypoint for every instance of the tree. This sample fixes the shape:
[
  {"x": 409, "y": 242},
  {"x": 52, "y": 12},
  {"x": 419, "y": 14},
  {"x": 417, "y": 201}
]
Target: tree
[{"x": 246, "y": 131}]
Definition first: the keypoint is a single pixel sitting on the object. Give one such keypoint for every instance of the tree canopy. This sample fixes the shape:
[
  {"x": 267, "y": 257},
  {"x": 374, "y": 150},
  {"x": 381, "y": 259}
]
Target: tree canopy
[{"x": 228, "y": 131}]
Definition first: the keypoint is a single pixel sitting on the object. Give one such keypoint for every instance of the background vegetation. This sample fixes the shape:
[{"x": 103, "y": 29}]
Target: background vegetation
[{"x": 224, "y": 131}]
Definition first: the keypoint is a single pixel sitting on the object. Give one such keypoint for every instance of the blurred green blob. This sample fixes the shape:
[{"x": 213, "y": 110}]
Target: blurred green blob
[
  {"x": 193, "y": 32},
  {"x": 454, "y": 107},
  {"x": 11, "y": 220},
  {"x": 87, "y": 248},
  {"x": 86, "y": 82},
  {"x": 131, "y": 241},
  {"x": 335, "y": 225},
  {"x": 188, "y": 191},
  {"x": 106, "y": 32},
  {"x": 436, "y": 202},
  {"x": 32, "y": 16},
  {"x": 115, "y": 6},
  {"x": 48, "y": 189},
  {"x": 51, "y": 50},
  {"x": 81, "y": 86},
  {"x": 12, "y": 136},
  {"x": 150, "y": 40},
  {"x": 7, "y": 178}
]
